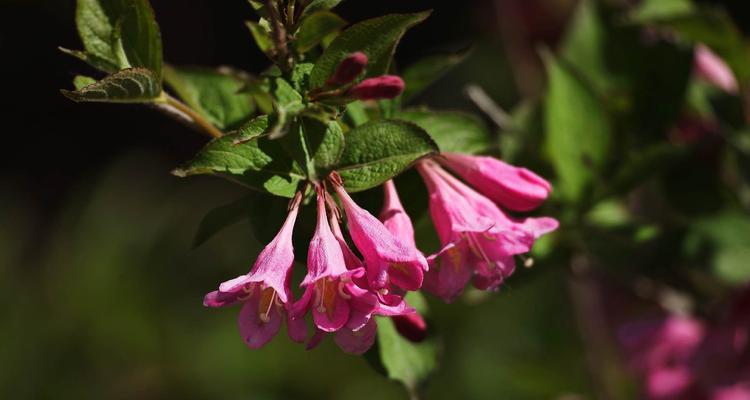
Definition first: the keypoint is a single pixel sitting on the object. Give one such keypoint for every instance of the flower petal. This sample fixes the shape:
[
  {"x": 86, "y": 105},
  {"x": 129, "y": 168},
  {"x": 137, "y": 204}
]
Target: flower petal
[{"x": 359, "y": 341}]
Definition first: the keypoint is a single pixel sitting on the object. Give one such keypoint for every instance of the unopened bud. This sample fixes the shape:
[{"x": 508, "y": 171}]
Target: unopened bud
[
  {"x": 411, "y": 326},
  {"x": 348, "y": 69},
  {"x": 381, "y": 87}
]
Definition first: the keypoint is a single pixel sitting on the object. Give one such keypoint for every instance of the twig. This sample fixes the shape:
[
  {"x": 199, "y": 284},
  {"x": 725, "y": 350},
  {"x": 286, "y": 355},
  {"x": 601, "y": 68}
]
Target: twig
[
  {"x": 180, "y": 109},
  {"x": 485, "y": 103}
]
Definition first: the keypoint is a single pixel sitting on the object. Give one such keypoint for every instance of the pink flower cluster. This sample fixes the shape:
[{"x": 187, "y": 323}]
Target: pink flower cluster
[
  {"x": 343, "y": 290},
  {"x": 685, "y": 358}
]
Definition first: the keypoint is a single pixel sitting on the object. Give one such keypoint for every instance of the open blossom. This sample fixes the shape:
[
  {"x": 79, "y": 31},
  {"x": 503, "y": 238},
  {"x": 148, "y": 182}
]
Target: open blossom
[
  {"x": 394, "y": 217},
  {"x": 479, "y": 240},
  {"x": 388, "y": 259},
  {"x": 514, "y": 188},
  {"x": 265, "y": 292},
  {"x": 337, "y": 303}
]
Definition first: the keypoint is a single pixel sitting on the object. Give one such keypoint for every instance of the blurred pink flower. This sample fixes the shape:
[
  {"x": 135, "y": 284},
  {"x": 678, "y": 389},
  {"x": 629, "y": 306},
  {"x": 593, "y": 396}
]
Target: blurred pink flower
[
  {"x": 348, "y": 69},
  {"x": 265, "y": 291},
  {"x": 714, "y": 70},
  {"x": 381, "y": 87}
]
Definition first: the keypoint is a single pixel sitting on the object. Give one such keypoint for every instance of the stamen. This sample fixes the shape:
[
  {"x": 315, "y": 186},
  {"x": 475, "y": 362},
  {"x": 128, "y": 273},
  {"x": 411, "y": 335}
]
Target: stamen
[
  {"x": 479, "y": 251},
  {"x": 266, "y": 302},
  {"x": 320, "y": 295}
]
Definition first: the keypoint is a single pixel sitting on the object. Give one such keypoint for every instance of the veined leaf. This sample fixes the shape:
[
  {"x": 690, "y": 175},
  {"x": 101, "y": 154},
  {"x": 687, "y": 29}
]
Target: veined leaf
[
  {"x": 258, "y": 163},
  {"x": 135, "y": 85},
  {"x": 377, "y": 37},
  {"x": 454, "y": 132},
  {"x": 119, "y": 34},
  {"x": 213, "y": 94},
  {"x": 81, "y": 81},
  {"x": 577, "y": 130},
  {"x": 319, "y": 5},
  {"x": 316, "y": 27},
  {"x": 379, "y": 150},
  {"x": 262, "y": 36}
]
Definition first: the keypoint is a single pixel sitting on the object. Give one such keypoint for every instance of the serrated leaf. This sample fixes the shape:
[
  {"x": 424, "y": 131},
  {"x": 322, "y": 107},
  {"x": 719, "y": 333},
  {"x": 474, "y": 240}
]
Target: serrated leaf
[
  {"x": 319, "y": 5},
  {"x": 379, "y": 150},
  {"x": 120, "y": 33},
  {"x": 258, "y": 163},
  {"x": 135, "y": 85},
  {"x": 420, "y": 75},
  {"x": 325, "y": 142},
  {"x": 315, "y": 28},
  {"x": 262, "y": 37},
  {"x": 404, "y": 361},
  {"x": 377, "y": 37},
  {"x": 454, "y": 132},
  {"x": 212, "y": 94},
  {"x": 577, "y": 130}
]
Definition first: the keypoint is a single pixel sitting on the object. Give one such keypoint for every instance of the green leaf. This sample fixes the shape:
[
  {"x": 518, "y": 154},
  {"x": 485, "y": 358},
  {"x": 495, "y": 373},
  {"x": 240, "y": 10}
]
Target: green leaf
[
  {"x": 213, "y": 94},
  {"x": 120, "y": 33},
  {"x": 262, "y": 36},
  {"x": 135, "y": 85},
  {"x": 81, "y": 81},
  {"x": 315, "y": 28},
  {"x": 377, "y": 37},
  {"x": 379, "y": 150},
  {"x": 222, "y": 217},
  {"x": 654, "y": 9},
  {"x": 585, "y": 44},
  {"x": 454, "y": 132},
  {"x": 319, "y": 5},
  {"x": 728, "y": 233},
  {"x": 577, "y": 130},
  {"x": 404, "y": 361},
  {"x": 288, "y": 103},
  {"x": 325, "y": 143},
  {"x": 420, "y": 75},
  {"x": 258, "y": 163}
]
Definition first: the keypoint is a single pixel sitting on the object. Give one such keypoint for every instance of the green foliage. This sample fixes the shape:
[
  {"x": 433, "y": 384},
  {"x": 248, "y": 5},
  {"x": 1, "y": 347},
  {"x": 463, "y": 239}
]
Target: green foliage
[
  {"x": 135, "y": 85},
  {"x": 317, "y": 27},
  {"x": 577, "y": 131},
  {"x": 377, "y": 37},
  {"x": 262, "y": 35},
  {"x": 213, "y": 94},
  {"x": 454, "y": 132},
  {"x": 728, "y": 234},
  {"x": 381, "y": 149},
  {"x": 420, "y": 75},
  {"x": 319, "y": 5},
  {"x": 258, "y": 163},
  {"x": 221, "y": 218},
  {"x": 120, "y": 34},
  {"x": 407, "y": 362}
]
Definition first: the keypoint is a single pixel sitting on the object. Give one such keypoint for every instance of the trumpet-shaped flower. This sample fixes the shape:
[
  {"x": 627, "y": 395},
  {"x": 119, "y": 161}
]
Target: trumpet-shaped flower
[
  {"x": 479, "y": 240},
  {"x": 265, "y": 291},
  {"x": 388, "y": 259},
  {"x": 515, "y": 188}
]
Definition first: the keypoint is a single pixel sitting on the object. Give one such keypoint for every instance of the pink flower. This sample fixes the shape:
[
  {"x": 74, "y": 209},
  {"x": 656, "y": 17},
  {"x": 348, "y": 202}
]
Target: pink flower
[
  {"x": 479, "y": 240},
  {"x": 411, "y": 326},
  {"x": 714, "y": 70},
  {"x": 265, "y": 291},
  {"x": 388, "y": 259},
  {"x": 394, "y": 217},
  {"x": 348, "y": 70},
  {"x": 381, "y": 87},
  {"x": 515, "y": 188},
  {"x": 661, "y": 351}
]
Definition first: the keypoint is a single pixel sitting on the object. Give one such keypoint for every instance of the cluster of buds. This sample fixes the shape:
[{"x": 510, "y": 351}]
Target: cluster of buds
[
  {"x": 344, "y": 290},
  {"x": 680, "y": 357},
  {"x": 343, "y": 83}
]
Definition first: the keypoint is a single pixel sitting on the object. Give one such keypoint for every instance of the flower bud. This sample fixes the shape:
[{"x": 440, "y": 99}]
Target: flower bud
[
  {"x": 348, "y": 69},
  {"x": 411, "y": 326},
  {"x": 381, "y": 87}
]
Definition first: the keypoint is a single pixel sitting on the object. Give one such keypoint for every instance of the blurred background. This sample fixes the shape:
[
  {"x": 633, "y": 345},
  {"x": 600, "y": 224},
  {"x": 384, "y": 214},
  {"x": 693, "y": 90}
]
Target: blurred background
[{"x": 101, "y": 288}]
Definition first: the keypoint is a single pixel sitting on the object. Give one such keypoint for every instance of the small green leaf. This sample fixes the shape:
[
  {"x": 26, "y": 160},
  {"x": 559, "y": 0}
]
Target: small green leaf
[
  {"x": 728, "y": 233},
  {"x": 258, "y": 163},
  {"x": 404, "y": 361},
  {"x": 377, "y": 37},
  {"x": 288, "y": 103},
  {"x": 315, "y": 28},
  {"x": 319, "y": 5},
  {"x": 120, "y": 34},
  {"x": 262, "y": 36},
  {"x": 454, "y": 132},
  {"x": 213, "y": 94},
  {"x": 135, "y": 85},
  {"x": 420, "y": 75},
  {"x": 577, "y": 130},
  {"x": 585, "y": 45},
  {"x": 379, "y": 150},
  {"x": 653, "y": 9},
  {"x": 81, "y": 81}
]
